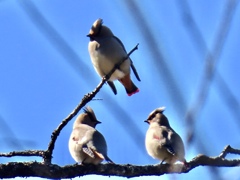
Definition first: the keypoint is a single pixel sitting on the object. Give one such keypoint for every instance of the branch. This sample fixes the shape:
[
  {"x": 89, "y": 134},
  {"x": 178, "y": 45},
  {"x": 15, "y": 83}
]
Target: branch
[
  {"x": 87, "y": 98},
  {"x": 52, "y": 171},
  {"x": 229, "y": 150},
  {"x": 23, "y": 153}
]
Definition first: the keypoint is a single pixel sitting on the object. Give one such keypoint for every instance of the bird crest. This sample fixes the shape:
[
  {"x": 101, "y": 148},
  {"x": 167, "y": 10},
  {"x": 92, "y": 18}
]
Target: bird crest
[
  {"x": 88, "y": 110},
  {"x": 96, "y": 28},
  {"x": 154, "y": 112}
]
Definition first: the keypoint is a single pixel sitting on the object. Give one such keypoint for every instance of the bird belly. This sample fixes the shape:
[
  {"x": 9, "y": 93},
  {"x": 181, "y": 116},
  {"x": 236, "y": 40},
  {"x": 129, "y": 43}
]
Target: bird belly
[
  {"x": 77, "y": 154},
  {"x": 104, "y": 65},
  {"x": 155, "y": 150}
]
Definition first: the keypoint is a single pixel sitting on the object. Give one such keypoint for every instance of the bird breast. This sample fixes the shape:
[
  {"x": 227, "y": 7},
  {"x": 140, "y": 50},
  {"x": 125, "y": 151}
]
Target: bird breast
[{"x": 105, "y": 54}]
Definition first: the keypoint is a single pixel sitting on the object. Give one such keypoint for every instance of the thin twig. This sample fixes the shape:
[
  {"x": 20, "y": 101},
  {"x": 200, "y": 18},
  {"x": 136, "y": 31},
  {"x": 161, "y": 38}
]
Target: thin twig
[
  {"x": 23, "y": 153},
  {"x": 229, "y": 150}
]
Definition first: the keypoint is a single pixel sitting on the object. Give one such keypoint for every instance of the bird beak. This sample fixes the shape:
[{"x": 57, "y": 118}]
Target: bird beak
[
  {"x": 146, "y": 121},
  {"x": 89, "y": 35},
  {"x": 98, "y": 122}
]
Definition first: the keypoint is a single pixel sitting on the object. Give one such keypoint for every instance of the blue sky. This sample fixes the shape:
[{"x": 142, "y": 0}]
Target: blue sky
[{"x": 45, "y": 70}]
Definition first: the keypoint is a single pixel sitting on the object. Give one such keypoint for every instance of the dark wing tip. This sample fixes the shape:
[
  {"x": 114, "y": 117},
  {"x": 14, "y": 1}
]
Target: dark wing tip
[
  {"x": 135, "y": 72},
  {"x": 112, "y": 86},
  {"x": 108, "y": 159},
  {"x": 170, "y": 149}
]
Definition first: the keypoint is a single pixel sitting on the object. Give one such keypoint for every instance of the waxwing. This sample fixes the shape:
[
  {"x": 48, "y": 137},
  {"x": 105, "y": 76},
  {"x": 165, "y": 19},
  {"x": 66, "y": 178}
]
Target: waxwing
[
  {"x": 162, "y": 142},
  {"x": 106, "y": 50},
  {"x": 86, "y": 144}
]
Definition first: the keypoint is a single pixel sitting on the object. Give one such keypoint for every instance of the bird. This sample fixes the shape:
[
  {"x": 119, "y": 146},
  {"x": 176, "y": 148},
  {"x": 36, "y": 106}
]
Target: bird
[
  {"x": 161, "y": 141},
  {"x": 86, "y": 144},
  {"x": 106, "y": 51}
]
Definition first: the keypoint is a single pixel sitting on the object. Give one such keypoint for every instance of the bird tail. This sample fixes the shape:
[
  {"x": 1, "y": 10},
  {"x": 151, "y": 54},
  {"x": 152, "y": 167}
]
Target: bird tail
[
  {"x": 130, "y": 87},
  {"x": 108, "y": 159}
]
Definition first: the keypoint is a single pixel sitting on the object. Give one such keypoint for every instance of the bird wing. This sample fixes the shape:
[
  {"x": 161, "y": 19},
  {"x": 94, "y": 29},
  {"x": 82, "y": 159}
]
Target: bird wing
[
  {"x": 84, "y": 137},
  {"x": 99, "y": 146},
  {"x": 108, "y": 159},
  {"x": 112, "y": 86},
  {"x": 88, "y": 151},
  {"x": 178, "y": 145},
  {"x": 120, "y": 42},
  {"x": 162, "y": 134},
  {"x": 91, "y": 142},
  {"x": 135, "y": 71},
  {"x": 92, "y": 153},
  {"x": 132, "y": 66},
  {"x": 169, "y": 149}
]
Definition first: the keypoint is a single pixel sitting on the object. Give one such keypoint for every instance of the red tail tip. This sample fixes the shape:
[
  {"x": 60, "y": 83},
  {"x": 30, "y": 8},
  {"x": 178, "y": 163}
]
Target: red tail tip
[{"x": 131, "y": 93}]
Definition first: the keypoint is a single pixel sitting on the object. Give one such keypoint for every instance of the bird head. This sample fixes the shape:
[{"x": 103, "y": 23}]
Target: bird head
[
  {"x": 88, "y": 117},
  {"x": 158, "y": 117},
  {"x": 98, "y": 29}
]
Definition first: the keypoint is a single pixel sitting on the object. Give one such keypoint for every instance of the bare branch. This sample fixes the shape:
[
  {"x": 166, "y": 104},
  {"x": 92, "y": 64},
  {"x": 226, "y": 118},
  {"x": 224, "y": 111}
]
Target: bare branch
[
  {"x": 229, "y": 150},
  {"x": 52, "y": 171},
  {"x": 23, "y": 153}
]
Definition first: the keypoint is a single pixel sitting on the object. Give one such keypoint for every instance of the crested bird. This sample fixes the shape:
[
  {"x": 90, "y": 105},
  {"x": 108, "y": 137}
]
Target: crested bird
[
  {"x": 106, "y": 51},
  {"x": 86, "y": 144},
  {"x": 161, "y": 141}
]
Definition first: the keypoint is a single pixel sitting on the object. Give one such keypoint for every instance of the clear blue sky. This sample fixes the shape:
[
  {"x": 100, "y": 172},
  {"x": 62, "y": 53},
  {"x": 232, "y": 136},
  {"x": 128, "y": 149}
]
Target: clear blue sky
[{"x": 45, "y": 70}]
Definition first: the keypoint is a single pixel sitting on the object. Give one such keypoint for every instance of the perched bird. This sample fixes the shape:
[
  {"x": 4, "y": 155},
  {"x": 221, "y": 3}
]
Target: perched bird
[
  {"x": 162, "y": 142},
  {"x": 86, "y": 144},
  {"x": 106, "y": 50}
]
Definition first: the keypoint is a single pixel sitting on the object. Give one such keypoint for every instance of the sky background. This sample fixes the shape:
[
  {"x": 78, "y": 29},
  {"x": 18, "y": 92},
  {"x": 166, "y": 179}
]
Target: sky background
[{"x": 188, "y": 61}]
